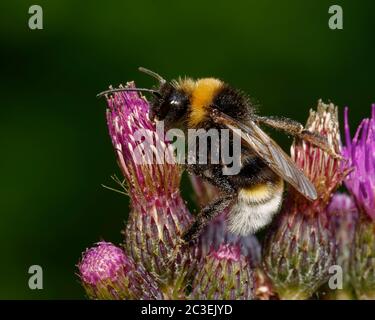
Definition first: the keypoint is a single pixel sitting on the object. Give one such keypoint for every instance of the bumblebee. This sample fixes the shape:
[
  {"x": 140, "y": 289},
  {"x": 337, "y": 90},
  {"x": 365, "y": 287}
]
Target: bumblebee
[{"x": 254, "y": 195}]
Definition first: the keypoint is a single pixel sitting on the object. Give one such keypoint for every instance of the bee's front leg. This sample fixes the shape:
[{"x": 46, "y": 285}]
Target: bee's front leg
[{"x": 212, "y": 174}]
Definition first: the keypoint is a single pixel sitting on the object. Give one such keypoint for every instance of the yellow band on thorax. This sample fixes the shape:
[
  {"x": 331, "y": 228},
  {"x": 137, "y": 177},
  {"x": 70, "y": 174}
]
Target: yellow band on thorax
[{"x": 202, "y": 96}]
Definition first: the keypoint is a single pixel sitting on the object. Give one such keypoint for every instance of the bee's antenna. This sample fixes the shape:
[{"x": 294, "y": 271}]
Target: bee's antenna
[
  {"x": 154, "y": 92},
  {"x": 144, "y": 70},
  {"x": 153, "y": 74}
]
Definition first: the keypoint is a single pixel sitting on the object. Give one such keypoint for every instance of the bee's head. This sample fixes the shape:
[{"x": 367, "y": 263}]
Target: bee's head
[
  {"x": 169, "y": 105},
  {"x": 169, "y": 102}
]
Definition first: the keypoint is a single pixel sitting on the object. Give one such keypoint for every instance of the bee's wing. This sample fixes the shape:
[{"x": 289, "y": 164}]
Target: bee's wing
[{"x": 270, "y": 152}]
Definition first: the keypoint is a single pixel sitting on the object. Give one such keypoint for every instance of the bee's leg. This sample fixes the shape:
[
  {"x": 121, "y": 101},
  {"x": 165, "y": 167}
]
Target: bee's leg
[
  {"x": 216, "y": 178},
  {"x": 285, "y": 124},
  {"x": 212, "y": 174},
  {"x": 205, "y": 216},
  {"x": 296, "y": 129}
]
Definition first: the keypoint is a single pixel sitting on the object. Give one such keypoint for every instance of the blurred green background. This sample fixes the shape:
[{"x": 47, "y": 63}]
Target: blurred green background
[{"x": 55, "y": 151}]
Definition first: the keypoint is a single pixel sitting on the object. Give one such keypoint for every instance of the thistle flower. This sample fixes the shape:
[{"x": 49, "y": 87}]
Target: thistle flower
[
  {"x": 324, "y": 170},
  {"x": 360, "y": 153},
  {"x": 158, "y": 215},
  {"x": 216, "y": 234},
  {"x": 224, "y": 274},
  {"x": 107, "y": 273},
  {"x": 299, "y": 248},
  {"x": 343, "y": 215}
]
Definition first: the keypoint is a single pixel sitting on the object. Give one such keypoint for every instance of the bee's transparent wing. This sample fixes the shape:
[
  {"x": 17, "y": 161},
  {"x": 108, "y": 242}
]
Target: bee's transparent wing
[{"x": 268, "y": 150}]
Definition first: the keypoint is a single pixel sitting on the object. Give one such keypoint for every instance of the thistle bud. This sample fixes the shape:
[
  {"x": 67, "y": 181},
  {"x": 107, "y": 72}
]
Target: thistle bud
[
  {"x": 343, "y": 216},
  {"x": 300, "y": 248},
  {"x": 298, "y": 255},
  {"x": 225, "y": 251},
  {"x": 222, "y": 275},
  {"x": 216, "y": 235},
  {"x": 362, "y": 271},
  {"x": 107, "y": 273}
]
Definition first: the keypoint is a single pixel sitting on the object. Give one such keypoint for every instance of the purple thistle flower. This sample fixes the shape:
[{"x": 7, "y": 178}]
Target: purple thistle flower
[
  {"x": 342, "y": 203},
  {"x": 146, "y": 165},
  {"x": 107, "y": 273},
  {"x": 360, "y": 153},
  {"x": 158, "y": 215}
]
